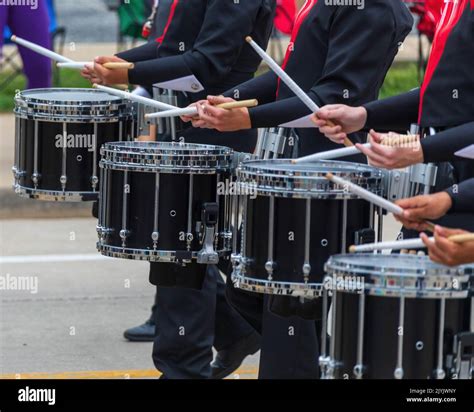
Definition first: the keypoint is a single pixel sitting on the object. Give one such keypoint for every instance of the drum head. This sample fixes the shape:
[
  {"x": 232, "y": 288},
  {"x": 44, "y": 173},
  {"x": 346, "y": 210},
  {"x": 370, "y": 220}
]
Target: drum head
[
  {"x": 166, "y": 157},
  {"x": 306, "y": 180},
  {"x": 59, "y": 96},
  {"x": 397, "y": 275},
  {"x": 58, "y": 104}
]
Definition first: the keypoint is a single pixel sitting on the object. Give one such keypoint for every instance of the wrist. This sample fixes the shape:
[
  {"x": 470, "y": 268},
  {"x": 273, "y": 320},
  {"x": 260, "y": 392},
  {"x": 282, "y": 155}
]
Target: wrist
[
  {"x": 362, "y": 116},
  {"x": 247, "y": 120},
  {"x": 419, "y": 155},
  {"x": 445, "y": 200}
]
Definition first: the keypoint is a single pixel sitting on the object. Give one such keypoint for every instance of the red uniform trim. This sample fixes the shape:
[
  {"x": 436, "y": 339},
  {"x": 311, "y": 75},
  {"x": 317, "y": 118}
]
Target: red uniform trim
[
  {"x": 300, "y": 18},
  {"x": 168, "y": 23},
  {"x": 452, "y": 13}
]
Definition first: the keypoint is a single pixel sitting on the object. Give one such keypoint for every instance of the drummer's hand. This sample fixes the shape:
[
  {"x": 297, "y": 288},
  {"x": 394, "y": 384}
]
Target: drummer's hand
[
  {"x": 109, "y": 77},
  {"x": 420, "y": 208},
  {"x": 187, "y": 119},
  {"x": 90, "y": 73},
  {"x": 447, "y": 252},
  {"x": 388, "y": 157},
  {"x": 346, "y": 119},
  {"x": 222, "y": 120}
]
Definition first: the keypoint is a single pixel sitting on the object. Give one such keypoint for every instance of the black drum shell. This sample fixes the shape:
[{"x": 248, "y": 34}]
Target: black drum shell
[
  {"x": 289, "y": 235},
  {"x": 381, "y": 327},
  {"x": 79, "y": 160},
  {"x": 173, "y": 209}
]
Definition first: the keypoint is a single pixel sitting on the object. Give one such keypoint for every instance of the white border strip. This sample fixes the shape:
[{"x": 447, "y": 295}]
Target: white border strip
[{"x": 89, "y": 257}]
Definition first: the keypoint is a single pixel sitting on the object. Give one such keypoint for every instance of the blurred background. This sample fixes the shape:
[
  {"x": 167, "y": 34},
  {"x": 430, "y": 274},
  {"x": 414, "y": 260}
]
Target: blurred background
[{"x": 84, "y": 298}]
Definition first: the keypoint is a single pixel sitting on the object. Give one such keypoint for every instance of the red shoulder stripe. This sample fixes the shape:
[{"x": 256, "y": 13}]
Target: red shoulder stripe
[{"x": 168, "y": 23}]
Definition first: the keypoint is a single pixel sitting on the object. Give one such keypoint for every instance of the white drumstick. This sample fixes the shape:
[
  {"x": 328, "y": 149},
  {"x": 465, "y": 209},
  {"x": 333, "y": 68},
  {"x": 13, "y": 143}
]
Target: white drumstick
[
  {"x": 365, "y": 194},
  {"x": 74, "y": 65},
  {"x": 108, "y": 65},
  {"x": 192, "y": 111},
  {"x": 187, "y": 111},
  {"x": 292, "y": 85},
  {"x": 395, "y": 245},
  {"x": 330, "y": 154},
  {"x": 135, "y": 98},
  {"x": 40, "y": 50},
  {"x": 408, "y": 243},
  {"x": 337, "y": 153}
]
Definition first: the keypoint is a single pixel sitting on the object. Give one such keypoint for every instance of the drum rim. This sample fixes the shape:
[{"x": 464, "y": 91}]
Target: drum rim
[
  {"x": 22, "y": 95},
  {"x": 112, "y": 146},
  {"x": 311, "y": 289},
  {"x": 306, "y": 184},
  {"x": 413, "y": 282},
  {"x": 152, "y": 255},
  {"x": 272, "y": 287},
  {"x": 166, "y": 157},
  {"x": 73, "y": 111},
  {"x": 76, "y": 118},
  {"x": 55, "y": 195},
  {"x": 335, "y": 260},
  {"x": 250, "y": 165}
]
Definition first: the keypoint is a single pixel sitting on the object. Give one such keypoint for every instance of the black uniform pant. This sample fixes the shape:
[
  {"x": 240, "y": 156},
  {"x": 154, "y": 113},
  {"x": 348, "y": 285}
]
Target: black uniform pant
[
  {"x": 189, "y": 322},
  {"x": 289, "y": 348}
]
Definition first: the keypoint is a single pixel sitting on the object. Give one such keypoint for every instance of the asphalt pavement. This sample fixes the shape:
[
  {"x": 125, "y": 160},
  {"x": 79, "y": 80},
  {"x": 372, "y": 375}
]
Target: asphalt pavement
[{"x": 69, "y": 321}]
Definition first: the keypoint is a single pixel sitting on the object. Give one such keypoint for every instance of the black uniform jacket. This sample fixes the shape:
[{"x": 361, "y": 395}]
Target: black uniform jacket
[
  {"x": 338, "y": 54},
  {"x": 445, "y": 99},
  {"x": 204, "y": 38}
]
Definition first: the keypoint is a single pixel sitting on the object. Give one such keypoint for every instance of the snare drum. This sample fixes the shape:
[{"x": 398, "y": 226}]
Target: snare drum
[
  {"x": 164, "y": 202},
  {"x": 58, "y": 136},
  {"x": 394, "y": 316},
  {"x": 294, "y": 219}
]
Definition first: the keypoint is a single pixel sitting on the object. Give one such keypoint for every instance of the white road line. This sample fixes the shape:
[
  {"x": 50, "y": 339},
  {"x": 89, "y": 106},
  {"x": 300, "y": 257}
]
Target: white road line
[{"x": 89, "y": 257}]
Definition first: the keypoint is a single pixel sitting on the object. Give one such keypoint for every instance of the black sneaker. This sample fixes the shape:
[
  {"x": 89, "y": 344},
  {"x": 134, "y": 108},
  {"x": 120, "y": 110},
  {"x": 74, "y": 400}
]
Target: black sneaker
[
  {"x": 228, "y": 360},
  {"x": 142, "y": 333}
]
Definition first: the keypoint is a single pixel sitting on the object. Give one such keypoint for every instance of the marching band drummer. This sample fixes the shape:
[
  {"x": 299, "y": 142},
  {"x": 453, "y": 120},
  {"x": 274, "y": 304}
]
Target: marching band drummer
[
  {"x": 337, "y": 53},
  {"x": 444, "y": 102},
  {"x": 200, "y": 49}
]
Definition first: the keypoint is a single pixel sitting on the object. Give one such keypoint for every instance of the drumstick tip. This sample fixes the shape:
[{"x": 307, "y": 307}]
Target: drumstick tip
[
  {"x": 249, "y": 39},
  {"x": 95, "y": 86},
  {"x": 329, "y": 176},
  {"x": 13, "y": 38},
  {"x": 352, "y": 249}
]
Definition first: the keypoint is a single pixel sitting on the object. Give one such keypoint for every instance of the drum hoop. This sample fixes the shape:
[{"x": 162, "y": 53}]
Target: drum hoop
[
  {"x": 304, "y": 186},
  {"x": 151, "y": 255},
  {"x": 55, "y": 195},
  {"x": 347, "y": 167},
  {"x": 162, "y": 168},
  {"x": 308, "y": 290},
  {"x": 335, "y": 263},
  {"x": 23, "y": 97},
  {"x": 188, "y": 149},
  {"x": 166, "y": 157},
  {"x": 410, "y": 281},
  {"x": 288, "y": 183},
  {"x": 314, "y": 290},
  {"x": 62, "y": 118}
]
